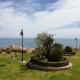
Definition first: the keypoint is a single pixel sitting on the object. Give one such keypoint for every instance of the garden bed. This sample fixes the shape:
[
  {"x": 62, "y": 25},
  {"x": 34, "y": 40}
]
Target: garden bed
[
  {"x": 69, "y": 53},
  {"x": 35, "y": 63}
]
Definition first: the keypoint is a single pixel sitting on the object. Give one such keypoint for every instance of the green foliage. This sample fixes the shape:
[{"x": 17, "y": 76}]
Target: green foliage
[
  {"x": 56, "y": 52},
  {"x": 38, "y": 52},
  {"x": 1, "y": 51},
  {"x": 44, "y": 40},
  {"x": 18, "y": 50},
  {"x": 58, "y": 45},
  {"x": 68, "y": 49},
  {"x": 46, "y": 48},
  {"x": 55, "y": 55},
  {"x": 8, "y": 51}
]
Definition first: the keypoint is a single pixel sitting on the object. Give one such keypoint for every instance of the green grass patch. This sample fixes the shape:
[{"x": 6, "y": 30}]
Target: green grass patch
[{"x": 10, "y": 69}]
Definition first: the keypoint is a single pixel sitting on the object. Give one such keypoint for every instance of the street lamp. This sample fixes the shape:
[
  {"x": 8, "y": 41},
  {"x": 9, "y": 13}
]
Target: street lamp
[
  {"x": 76, "y": 43},
  {"x": 22, "y": 43}
]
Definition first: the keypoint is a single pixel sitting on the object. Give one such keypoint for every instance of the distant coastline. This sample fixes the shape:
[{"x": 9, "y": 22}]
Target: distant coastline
[{"x": 30, "y": 42}]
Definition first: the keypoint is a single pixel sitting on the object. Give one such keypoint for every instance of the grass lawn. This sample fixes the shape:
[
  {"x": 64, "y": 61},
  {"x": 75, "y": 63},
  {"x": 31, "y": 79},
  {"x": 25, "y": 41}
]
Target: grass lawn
[{"x": 10, "y": 69}]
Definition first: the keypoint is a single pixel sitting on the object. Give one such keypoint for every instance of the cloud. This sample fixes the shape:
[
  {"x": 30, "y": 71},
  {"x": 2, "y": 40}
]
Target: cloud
[
  {"x": 36, "y": 16},
  {"x": 73, "y": 25},
  {"x": 31, "y": 6},
  {"x": 65, "y": 16}
]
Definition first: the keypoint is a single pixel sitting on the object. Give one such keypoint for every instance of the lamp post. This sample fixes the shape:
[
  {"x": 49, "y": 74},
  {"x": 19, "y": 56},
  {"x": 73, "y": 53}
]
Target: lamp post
[
  {"x": 76, "y": 43},
  {"x": 22, "y": 43}
]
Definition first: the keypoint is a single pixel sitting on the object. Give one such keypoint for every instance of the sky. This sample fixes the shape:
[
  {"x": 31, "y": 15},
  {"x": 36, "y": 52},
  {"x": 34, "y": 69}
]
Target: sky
[{"x": 58, "y": 17}]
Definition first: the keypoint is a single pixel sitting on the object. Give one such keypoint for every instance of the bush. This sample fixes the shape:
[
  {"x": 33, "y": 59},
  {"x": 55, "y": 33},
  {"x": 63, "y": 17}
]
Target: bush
[
  {"x": 58, "y": 45},
  {"x": 46, "y": 48},
  {"x": 38, "y": 52},
  {"x": 8, "y": 51},
  {"x": 18, "y": 50},
  {"x": 47, "y": 53},
  {"x": 68, "y": 49},
  {"x": 55, "y": 55},
  {"x": 44, "y": 42},
  {"x": 1, "y": 51}
]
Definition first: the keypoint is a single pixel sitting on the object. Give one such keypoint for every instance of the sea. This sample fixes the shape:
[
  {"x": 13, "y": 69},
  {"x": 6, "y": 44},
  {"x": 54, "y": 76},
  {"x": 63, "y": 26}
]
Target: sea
[{"x": 31, "y": 43}]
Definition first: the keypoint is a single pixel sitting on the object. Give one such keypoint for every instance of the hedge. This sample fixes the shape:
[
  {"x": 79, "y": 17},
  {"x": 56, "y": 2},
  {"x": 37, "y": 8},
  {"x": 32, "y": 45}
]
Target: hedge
[
  {"x": 69, "y": 53},
  {"x": 18, "y": 50}
]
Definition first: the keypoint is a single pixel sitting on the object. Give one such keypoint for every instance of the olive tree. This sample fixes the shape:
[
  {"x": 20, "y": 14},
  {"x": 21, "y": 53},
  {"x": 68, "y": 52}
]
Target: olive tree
[
  {"x": 44, "y": 42},
  {"x": 46, "y": 48}
]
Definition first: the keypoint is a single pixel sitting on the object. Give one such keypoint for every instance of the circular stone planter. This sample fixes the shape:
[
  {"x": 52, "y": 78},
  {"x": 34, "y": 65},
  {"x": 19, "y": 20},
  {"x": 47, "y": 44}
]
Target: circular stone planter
[
  {"x": 69, "y": 53},
  {"x": 33, "y": 66},
  {"x": 49, "y": 66}
]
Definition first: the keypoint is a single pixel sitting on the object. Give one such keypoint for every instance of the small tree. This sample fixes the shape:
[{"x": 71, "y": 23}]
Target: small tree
[
  {"x": 52, "y": 52},
  {"x": 8, "y": 51},
  {"x": 44, "y": 42},
  {"x": 68, "y": 49}
]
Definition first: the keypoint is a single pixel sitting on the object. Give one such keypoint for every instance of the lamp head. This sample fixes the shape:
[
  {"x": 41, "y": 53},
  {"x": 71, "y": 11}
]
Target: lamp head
[{"x": 21, "y": 32}]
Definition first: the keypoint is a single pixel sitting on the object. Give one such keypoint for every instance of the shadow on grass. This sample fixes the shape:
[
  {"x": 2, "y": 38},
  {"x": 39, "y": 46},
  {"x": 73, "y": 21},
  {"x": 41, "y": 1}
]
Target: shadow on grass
[
  {"x": 2, "y": 64},
  {"x": 25, "y": 68}
]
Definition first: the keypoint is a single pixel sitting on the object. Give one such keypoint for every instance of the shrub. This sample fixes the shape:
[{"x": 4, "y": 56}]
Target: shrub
[
  {"x": 8, "y": 50},
  {"x": 55, "y": 55},
  {"x": 47, "y": 53},
  {"x": 46, "y": 48},
  {"x": 1, "y": 51},
  {"x": 18, "y": 50},
  {"x": 38, "y": 52},
  {"x": 58, "y": 45},
  {"x": 44, "y": 42},
  {"x": 68, "y": 49}
]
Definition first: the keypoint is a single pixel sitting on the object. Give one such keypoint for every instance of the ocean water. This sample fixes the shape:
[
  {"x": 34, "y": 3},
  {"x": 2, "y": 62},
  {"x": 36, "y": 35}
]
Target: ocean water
[{"x": 30, "y": 42}]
